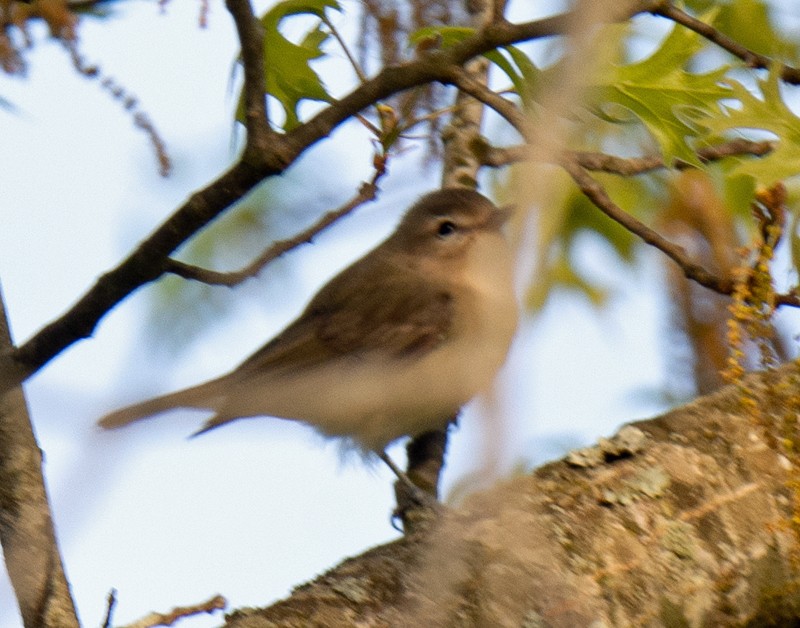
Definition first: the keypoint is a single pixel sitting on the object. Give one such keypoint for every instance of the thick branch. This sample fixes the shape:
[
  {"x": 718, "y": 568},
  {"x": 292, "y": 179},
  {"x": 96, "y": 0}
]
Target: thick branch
[
  {"x": 752, "y": 59},
  {"x": 26, "y": 526},
  {"x": 685, "y": 519}
]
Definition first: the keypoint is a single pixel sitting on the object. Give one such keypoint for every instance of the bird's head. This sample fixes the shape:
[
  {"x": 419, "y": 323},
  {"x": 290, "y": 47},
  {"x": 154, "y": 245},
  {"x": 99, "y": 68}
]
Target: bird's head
[{"x": 447, "y": 223}]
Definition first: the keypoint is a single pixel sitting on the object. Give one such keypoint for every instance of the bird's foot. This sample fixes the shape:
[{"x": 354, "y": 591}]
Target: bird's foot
[{"x": 415, "y": 505}]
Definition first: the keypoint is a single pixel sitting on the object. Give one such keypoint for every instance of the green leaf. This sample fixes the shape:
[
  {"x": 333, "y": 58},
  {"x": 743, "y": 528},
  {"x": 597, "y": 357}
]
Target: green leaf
[
  {"x": 660, "y": 93},
  {"x": 583, "y": 217},
  {"x": 557, "y": 240},
  {"x": 288, "y": 74},
  {"x": 739, "y": 192},
  {"x": 527, "y": 68},
  {"x": 749, "y": 23},
  {"x": 445, "y": 36},
  {"x": 561, "y": 275},
  {"x": 517, "y": 66},
  {"x": 768, "y": 114}
]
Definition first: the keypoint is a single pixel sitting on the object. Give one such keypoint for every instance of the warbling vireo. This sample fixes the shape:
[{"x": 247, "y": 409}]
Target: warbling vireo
[{"x": 392, "y": 346}]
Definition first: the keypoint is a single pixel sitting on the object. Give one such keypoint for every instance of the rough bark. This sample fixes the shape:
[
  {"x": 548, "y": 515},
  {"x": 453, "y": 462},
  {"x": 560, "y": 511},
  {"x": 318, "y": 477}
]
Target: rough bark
[
  {"x": 681, "y": 520},
  {"x": 26, "y": 528}
]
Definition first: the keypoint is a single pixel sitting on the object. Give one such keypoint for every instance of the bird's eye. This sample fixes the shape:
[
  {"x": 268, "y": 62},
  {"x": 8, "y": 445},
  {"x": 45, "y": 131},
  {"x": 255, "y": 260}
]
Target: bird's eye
[{"x": 446, "y": 228}]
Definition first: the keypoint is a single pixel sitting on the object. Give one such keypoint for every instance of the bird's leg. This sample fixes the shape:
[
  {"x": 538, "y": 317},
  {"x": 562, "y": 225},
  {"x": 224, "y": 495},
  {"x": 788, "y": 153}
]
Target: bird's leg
[
  {"x": 418, "y": 496},
  {"x": 404, "y": 479}
]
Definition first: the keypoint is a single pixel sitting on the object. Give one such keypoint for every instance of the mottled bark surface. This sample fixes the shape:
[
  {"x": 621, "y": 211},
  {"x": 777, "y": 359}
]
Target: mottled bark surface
[
  {"x": 682, "y": 520},
  {"x": 26, "y": 528}
]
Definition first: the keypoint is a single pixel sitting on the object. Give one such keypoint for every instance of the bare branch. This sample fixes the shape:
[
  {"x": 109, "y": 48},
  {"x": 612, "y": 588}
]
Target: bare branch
[
  {"x": 791, "y": 298},
  {"x": 251, "y": 37},
  {"x": 752, "y": 59},
  {"x": 215, "y": 603},
  {"x": 461, "y": 79},
  {"x": 28, "y": 540},
  {"x": 641, "y": 165},
  {"x": 495, "y": 157},
  {"x": 345, "y": 48},
  {"x": 111, "y": 600},
  {"x": 735, "y": 147},
  {"x": 367, "y": 192},
  {"x": 693, "y": 271},
  {"x": 597, "y": 194}
]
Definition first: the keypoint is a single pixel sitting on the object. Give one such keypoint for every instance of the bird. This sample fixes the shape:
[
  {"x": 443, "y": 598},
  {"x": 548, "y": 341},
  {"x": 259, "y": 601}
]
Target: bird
[{"x": 391, "y": 347}]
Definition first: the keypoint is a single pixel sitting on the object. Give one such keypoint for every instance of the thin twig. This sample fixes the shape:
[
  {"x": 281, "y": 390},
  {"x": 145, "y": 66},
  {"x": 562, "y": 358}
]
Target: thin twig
[
  {"x": 505, "y": 108},
  {"x": 640, "y": 165},
  {"x": 367, "y": 192},
  {"x": 597, "y": 194},
  {"x": 111, "y": 601},
  {"x": 216, "y": 603},
  {"x": 123, "y": 96},
  {"x": 251, "y": 37},
  {"x": 752, "y": 59},
  {"x": 495, "y": 157},
  {"x": 343, "y": 45}
]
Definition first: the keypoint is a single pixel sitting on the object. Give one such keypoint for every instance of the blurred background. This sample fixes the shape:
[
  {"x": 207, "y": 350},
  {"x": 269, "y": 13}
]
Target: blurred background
[{"x": 256, "y": 508}]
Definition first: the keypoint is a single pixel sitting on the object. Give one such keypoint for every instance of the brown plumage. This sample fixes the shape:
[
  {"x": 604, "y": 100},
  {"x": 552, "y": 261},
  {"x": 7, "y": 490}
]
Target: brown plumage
[{"x": 391, "y": 346}]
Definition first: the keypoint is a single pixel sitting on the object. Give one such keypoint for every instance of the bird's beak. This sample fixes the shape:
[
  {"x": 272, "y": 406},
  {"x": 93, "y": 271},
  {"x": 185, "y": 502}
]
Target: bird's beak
[{"x": 500, "y": 217}]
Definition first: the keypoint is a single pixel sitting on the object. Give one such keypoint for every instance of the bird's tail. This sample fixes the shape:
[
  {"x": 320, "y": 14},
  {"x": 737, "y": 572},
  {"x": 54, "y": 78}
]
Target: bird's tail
[{"x": 195, "y": 397}]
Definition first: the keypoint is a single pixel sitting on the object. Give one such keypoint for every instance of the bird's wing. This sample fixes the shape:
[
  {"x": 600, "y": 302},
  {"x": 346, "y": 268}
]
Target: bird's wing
[{"x": 402, "y": 314}]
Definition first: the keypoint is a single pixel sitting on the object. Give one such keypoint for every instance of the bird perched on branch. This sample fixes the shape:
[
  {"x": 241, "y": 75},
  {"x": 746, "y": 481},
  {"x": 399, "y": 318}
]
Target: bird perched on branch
[{"x": 392, "y": 346}]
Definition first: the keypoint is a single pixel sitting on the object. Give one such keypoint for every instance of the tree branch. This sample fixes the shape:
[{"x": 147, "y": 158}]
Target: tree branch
[
  {"x": 152, "y": 620},
  {"x": 597, "y": 194},
  {"x": 641, "y": 165},
  {"x": 479, "y": 91},
  {"x": 683, "y": 519},
  {"x": 29, "y": 544},
  {"x": 251, "y": 37},
  {"x": 497, "y": 157},
  {"x": 752, "y": 59}
]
